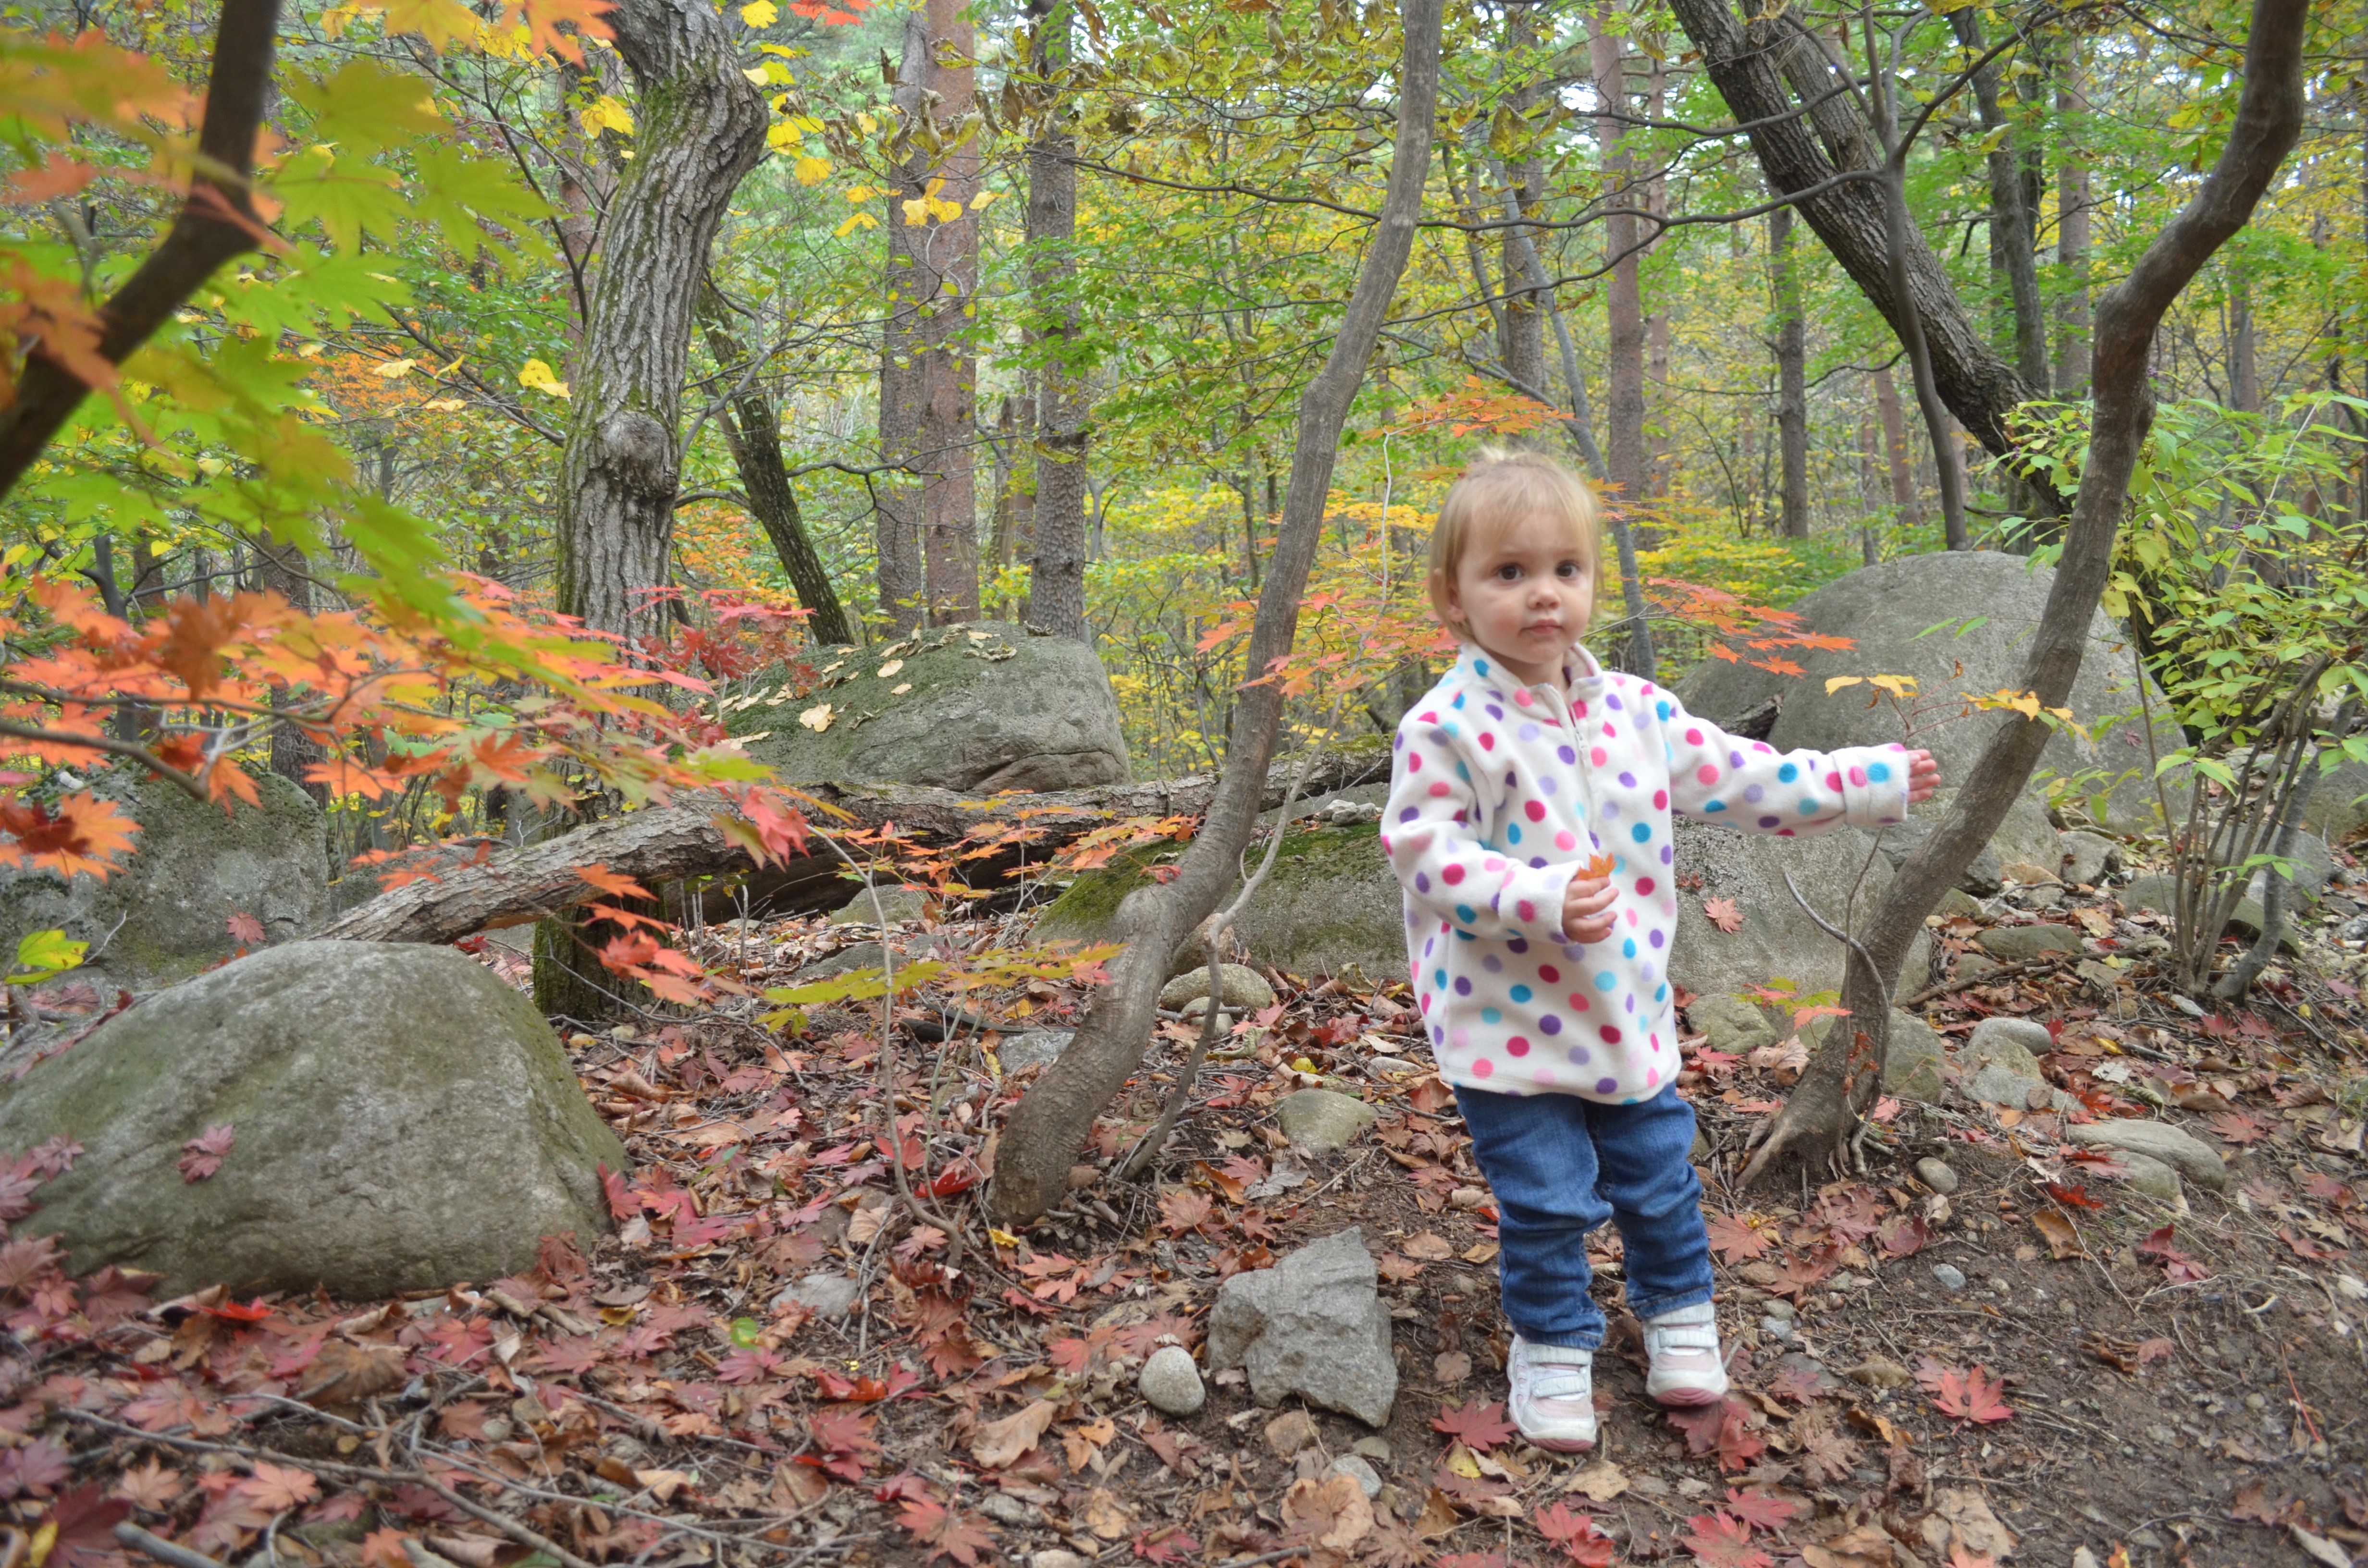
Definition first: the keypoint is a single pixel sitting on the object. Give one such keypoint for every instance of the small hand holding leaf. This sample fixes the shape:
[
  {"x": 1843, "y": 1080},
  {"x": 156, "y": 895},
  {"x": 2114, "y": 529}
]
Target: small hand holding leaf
[{"x": 1586, "y": 902}]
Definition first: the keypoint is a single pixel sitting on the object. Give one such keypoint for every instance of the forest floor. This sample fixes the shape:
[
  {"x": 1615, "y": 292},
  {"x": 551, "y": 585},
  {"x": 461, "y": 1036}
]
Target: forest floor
[{"x": 2105, "y": 1378}]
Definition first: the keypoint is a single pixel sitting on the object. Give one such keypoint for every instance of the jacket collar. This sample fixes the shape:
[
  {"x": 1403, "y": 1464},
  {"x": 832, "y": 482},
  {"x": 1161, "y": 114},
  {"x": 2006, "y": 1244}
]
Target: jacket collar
[{"x": 1582, "y": 676}]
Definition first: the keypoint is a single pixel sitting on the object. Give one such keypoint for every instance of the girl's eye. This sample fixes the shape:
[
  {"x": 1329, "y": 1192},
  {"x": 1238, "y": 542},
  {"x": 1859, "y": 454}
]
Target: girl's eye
[
  {"x": 1568, "y": 569},
  {"x": 1509, "y": 573}
]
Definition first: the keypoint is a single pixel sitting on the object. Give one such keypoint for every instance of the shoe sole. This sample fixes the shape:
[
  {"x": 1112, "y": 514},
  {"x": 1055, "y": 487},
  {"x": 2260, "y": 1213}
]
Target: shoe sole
[
  {"x": 1560, "y": 1444},
  {"x": 1690, "y": 1396}
]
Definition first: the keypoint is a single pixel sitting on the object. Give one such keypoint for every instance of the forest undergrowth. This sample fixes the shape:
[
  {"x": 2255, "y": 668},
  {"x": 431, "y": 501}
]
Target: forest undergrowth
[{"x": 2043, "y": 1366}]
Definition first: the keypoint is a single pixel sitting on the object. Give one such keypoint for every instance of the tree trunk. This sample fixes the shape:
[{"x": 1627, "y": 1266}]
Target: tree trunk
[
  {"x": 1849, "y": 217},
  {"x": 1820, "y": 1122},
  {"x": 753, "y": 430},
  {"x": 2243, "y": 345},
  {"x": 1056, "y": 584},
  {"x": 1623, "y": 294},
  {"x": 700, "y": 127},
  {"x": 1791, "y": 377},
  {"x": 2072, "y": 242},
  {"x": 1522, "y": 326},
  {"x": 910, "y": 287},
  {"x": 1050, "y": 1122},
  {"x": 1894, "y": 444},
  {"x": 283, "y": 570},
  {"x": 2013, "y": 221},
  {"x": 1656, "y": 324}
]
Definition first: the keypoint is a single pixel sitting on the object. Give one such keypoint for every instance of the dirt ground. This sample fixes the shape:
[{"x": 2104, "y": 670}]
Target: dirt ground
[{"x": 2043, "y": 1366}]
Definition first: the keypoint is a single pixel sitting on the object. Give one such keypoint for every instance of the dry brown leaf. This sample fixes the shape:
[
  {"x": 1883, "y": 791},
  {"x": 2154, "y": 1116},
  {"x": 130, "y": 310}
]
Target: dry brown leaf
[
  {"x": 1437, "y": 1518},
  {"x": 348, "y": 1374},
  {"x": 1784, "y": 1060},
  {"x": 999, "y": 1443},
  {"x": 2063, "y": 1236},
  {"x": 1451, "y": 1367},
  {"x": 1973, "y": 1527},
  {"x": 1427, "y": 1247},
  {"x": 1107, "y": 1517},
  {"x": 469, "y": 1550},
  {"x": 865, "y": 1224},
  {"x": 1865, "y": 1547},
  {"x": 1332, "y": 1513},
  {"x": 1598, "y": 1483},
  {"x": 1083, "y": 1445},
  {"x": 664, "y": 1484}
]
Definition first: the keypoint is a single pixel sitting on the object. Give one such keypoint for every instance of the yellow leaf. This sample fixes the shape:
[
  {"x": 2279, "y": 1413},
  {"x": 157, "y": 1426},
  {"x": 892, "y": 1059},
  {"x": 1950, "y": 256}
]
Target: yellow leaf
[
  {"x": 812, "y": 170},
  {"x": 891, "y": 668},
  {"x": 855, "y": 220},
  {"x": 783, "y": 137},
  {"x": 1900, "y": 687},
  {"x": 761, "y": 13},
  {"x": 394, "y": 370},
  {"x": 981, "y": 198},
  {"x": 816, "y": 718},
  {"x": 446, "y": 405},
  {"x": 1460, "y": 1460},
  {"x": 865, "y": 123},
  {"x": 606, "y": 113},
  {"x": 536, "y": 376},
  {"x": 1838, "y": 682}
]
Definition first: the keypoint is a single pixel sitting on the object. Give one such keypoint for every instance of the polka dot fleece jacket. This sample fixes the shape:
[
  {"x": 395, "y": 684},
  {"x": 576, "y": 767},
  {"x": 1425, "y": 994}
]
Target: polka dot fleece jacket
[{"x": 1498, "y": 796}]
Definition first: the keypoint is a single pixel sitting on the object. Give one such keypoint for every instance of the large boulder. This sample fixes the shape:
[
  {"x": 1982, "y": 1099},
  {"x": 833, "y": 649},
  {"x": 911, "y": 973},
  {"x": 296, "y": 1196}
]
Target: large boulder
[
  {"x": 983, "y": 706},
  {"x": 1840, "y": 873},
  {"x": 166, "y": 915},
  {"x": 399, "y": 1119},
  {"x": 1918, "y": 616}
]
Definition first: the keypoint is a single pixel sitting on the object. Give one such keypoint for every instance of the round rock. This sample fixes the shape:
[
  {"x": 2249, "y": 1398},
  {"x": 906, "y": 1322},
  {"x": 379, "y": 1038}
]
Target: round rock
[
  {"x": 1936, "y": 1174},
  {"x": 1354, "y": 1465},
  {"x": 1951, "y": 1277},
  {"x": 1320, "y": 1120},
  {"x": 1171, "y": 1383},
  {"x": 1238, "y": 984},
  {"x": 825, "y": 1295}
]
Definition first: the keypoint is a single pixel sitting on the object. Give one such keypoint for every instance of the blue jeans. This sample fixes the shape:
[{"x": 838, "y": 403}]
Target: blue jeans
[{"x": 1561, "y": 1166}]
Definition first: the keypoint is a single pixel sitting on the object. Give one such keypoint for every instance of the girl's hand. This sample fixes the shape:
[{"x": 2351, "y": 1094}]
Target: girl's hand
[
  {"x": 1923, "y": 776},
  {"x": 1586, "y": 909}
]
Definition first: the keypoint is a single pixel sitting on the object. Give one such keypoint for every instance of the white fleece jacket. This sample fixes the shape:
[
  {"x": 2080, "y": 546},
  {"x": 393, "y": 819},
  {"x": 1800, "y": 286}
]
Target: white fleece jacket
[{"x": 1501, "y": 792}]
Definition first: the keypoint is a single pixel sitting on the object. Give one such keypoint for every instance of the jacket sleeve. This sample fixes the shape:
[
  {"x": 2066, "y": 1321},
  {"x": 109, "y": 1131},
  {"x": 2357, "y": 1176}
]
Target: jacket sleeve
[
  {"x": 1433, "y": 831},
  {"x": 1750, "y": 786}
]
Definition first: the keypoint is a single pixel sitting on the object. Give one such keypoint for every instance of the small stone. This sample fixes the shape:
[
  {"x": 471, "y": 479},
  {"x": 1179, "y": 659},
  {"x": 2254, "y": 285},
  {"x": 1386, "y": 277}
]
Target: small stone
[
  {"x": 1875, "y": 1372},
  {"x": 1951, "y": 1277},
  {"x": 1957, "y": 900},
  {"x": 1056, "y": 1558},
  {"x": 900, "y": 905},
  {"x": 1035, "y": 1048},
  {"x": 1320, "y": 1120},
  {"x": 1779, "y": 1328},
  {"x": 1239, "y": 986},
  {"x": 1006, "y": 1509},
  {"x": 2148, "y": 1174},
  {"x": 1468, "y": 1197},
  {"x": 1936, "y": 1174},
  {"x": 2190, "y": 1156},
  {"x": 825, "y": 1295},
  {"x": 1374, "y": 1449},
  {"x": 1290, "y": 1432},
  {"x": 1171, "y": 1383},
  {"x": 1780, "y": 1308},
  {"x": 1388, "y": 1067},
  {"x": 2017, "y": 943},
  {"x": 1198, "y": 1005},
  {"x": 2088, "y": 856},
  {"x": 1352, "y": 1465}
]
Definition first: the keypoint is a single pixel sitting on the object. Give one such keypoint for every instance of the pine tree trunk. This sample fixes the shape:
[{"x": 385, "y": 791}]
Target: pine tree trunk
[
  {"x": 700, "y": 126},
  {"x": 1056, "y": 584},
  {"x": 1792, "y": 379}
]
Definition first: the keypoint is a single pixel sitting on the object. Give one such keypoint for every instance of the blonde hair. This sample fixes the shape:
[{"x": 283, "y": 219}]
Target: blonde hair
[{"x": 1497, "y": 487}]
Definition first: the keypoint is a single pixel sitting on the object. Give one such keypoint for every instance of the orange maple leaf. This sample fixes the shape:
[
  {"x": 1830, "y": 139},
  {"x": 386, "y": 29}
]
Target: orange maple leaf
[
  {"x": 83, "y": 833},
  {"x": 543, "y": 18},
  {"x": 1723, "y": 914}
]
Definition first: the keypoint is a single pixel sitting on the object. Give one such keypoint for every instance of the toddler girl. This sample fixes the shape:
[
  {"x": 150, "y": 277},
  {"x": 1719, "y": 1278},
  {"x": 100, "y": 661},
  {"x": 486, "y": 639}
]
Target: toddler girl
[{"x": 1543, "y": 980}]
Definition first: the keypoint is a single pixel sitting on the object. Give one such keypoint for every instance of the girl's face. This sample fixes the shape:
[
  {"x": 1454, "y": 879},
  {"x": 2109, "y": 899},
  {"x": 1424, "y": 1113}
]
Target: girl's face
[{"x": 1526, "y": 594}]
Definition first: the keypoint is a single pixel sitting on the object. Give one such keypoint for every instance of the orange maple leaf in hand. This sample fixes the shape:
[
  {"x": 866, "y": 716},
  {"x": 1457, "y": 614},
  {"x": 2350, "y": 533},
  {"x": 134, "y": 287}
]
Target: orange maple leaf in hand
[{"x": 1596, "y": 866}]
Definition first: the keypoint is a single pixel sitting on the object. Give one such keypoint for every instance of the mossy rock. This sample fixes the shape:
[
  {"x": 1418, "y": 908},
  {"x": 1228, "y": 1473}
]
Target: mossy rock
[
  {"x": 1331, "y": 905},
  {"x": 165, "y": 914},
  {"x": 399, "y": 1119},
  {"x": 983, "y": 706}
]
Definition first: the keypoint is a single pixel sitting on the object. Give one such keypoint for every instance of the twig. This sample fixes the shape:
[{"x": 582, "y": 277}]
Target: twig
[
  {"x": 1987, "y": 976},
  {"x": 160, "y": 1549}
]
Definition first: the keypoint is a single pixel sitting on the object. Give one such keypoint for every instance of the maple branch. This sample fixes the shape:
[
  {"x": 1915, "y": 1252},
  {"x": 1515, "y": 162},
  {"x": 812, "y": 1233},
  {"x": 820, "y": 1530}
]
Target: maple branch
[
  {"x": 189, "y": 783},
  {"x": 217, "y": 221}
]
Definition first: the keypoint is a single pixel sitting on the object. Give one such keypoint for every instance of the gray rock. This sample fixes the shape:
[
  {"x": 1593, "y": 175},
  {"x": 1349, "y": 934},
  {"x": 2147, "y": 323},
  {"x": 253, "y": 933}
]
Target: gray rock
[
  {"x": 2012, "y": 1044},
  {"x": 990, "y": 708},
  {"x": 1957, "y": 900},
  {"x": 1936, "y": 1175},
  {"x": 400, "y": 1118},
  {"x": 1006, "y": 1509},
  {"x": 1973, "y": 966},
  {"x": 1368, "y": 1480},
  {"x": 2189, "y": 1155},
  {"x": 1171, "y": 1383},
  {"x": 1241, "y": 986},
  {"x": 2152, "y": 891},
  {"x": 2148, "y": 1174},
  {"x": 1374, "y": 1449},
  {"x": 1884, "y": 609},
  {"x": 1321, "y": 1121},
  {"x": 900, "y": 904},
  {"x": 862, "y": 958},
  {"x": 2019, "y": 944},
  {"x": 1036, "y": 1047},
  {"x": 1730, "y": 1024},
  {"x": 1312, "y": 1325},
  {"x": 2339, "y": 802},
  {"x": 1777, "y": 941},
  {"x": 2025, "y": 840},
  {"x": 191, "y": 869},
  {"x": 2310, "y": 865},
  {"x": 1388, "y": 1066},
  {"x": 827, "y": 1295},
  {"x": 1950, "y": 1276},
  {"x": 1911, "y": 1067},
  {"x": 1056, "y": 1558},
  {"x": 2088, "y": 856}
]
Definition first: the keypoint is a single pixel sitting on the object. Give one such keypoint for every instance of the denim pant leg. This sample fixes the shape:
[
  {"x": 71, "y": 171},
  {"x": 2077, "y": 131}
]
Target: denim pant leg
[
  {"x": 1644, "y": 1174},
  {"x": 1540, "y": 1164}
]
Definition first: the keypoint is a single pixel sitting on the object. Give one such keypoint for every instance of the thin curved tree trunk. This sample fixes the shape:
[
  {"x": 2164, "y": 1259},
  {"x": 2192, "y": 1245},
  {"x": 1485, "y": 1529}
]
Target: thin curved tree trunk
[
  {"x": 1051, "y": 1120},
  {"x": 700, "y": 127},
  {"x": 1820, "y": 1122}
]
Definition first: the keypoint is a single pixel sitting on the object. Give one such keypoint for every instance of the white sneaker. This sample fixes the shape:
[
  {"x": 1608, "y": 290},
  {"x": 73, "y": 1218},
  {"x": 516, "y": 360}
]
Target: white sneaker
[
  {"x": 1687, "y": 1367},
  {"x": 1554, "y": 1395}
]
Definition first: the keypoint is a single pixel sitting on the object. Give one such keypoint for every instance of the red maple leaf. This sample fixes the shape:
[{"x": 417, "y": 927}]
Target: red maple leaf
[
  {"x": 2071, "y": 1195},
  {"x": 1903, "y": 1235},
  {"x": 947, "y": 1532},
  {"x": 1723, "y": 914},
  {"x": 201, "y": 1156},
  {"x": 2176, "y": 1265},
  {"x": 2238, "y": 1127},
  {"x": 2304, "y": 1249},
  {"x": 85, "y": 1521},
  {"x": 246, "y": 929},
  {"x": 1736, "y": 1239},
  {"x": 1970, "y": 1396},
  {"x": 1721, "y": 1541},
  {"x": 1797, "y": 1385},
  {"x": 1477, "y": 1426},
  {"x": 1723, "y": 1427},
  {"x": 1761, "y": 1510},
  {"x": 1576, "y": 1534}
]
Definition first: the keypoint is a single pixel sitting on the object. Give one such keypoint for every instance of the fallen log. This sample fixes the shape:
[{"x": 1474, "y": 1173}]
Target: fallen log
[{"x": 685, "y": 838}]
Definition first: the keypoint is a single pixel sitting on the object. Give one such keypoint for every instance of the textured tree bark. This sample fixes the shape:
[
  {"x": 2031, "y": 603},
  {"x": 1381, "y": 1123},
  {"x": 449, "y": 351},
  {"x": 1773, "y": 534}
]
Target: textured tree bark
[
  {"x": 1821, "y": 1121},
  {"x": 1656, "y": 324},
  {"x": 2072, "y": 243},
  {"x": 896, "y": 502},
  {"x": 1895, "y": 443},
  {"x": 1056, "y": 584},
  {"x": 686, "y": 839},
  {"x": 753, "y": 430},
  {"x": 700, "y": 127},
  {"x": 1792, "y": 379},
  {"x": 1051, "y": 1120},
  {"x": 1744, "y": 63},
  {"x": 1521, "y": 325},
  {"x": 948, "y": 256},
  {"x": 2013, "y": 221},
  {"x": 2243, "y": 345},
  {"x": 1622, "y": 296},
  {"x": 281, "y": 569}
]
